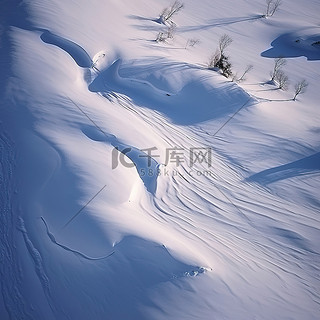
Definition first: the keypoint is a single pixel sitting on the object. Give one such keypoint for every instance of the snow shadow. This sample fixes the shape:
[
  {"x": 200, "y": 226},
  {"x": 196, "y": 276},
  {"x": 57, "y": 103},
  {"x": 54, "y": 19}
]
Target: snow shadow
[
  {"x": 305, "y": 166},
  {"x": 220, "y": 22},
  {"x": 140, "y": 265},
  {"x": 79, "y": 55},
  {"x": 292, "y": 238},
  {"x": 296, "y": 44},
  {"x": 123, "y": 279},
  {"x": 12, "y": 13},
  {"x": 145, "y": 165},
  {"x": 153, "y": 261},
  {"x": 123, "y": 275},
  {"x": 195, "y": 101},
  {"x": 210, "y": 24},
  {"x": 141, "y": 18}
]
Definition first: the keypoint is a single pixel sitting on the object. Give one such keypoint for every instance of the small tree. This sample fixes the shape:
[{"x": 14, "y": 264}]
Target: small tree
[
  {"x": 272, "y": 7},
  {"x": 278, "y": 63},
  {"x": 300, "y": 88},
  {"x": 224, "y": 42},
  {"x": 219, "y": 60},
  {"x": 223, "y": 62},
  {"x": 282, "y": 80},
  {"x": 168, "y": 13}
]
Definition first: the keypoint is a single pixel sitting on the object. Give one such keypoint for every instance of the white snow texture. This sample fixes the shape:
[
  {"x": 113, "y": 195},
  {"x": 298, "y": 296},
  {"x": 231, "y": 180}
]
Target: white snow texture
[{"x": 136, "y": 183}]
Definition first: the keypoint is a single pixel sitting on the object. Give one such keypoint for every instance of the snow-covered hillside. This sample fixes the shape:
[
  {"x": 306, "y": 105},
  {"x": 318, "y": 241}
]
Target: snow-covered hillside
[{"x": 136, "y": 183}]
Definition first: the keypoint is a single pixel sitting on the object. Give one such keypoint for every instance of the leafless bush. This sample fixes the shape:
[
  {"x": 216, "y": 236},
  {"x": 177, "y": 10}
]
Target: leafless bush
[
  {"x": 278, "y": 63},
  {"x": 300, "y": 88},
  {"x": 275, "y": 7},
  {"x": 272, "y": 7},
  {"x": 268, "y": 2},
  {"x": 219, "y": 60},
  {"x": 282, "y": 80},
  {"x": 170, "y": 31},
  {"x": 192, "y": 42},
  {"x": 235, "y": 78},
  {"x": 224, "y": 42},
  {"x": 213, "y": 60},
  {"x": 161, "y": 37},
  {"x": 168, "y": 34},
  {"x": 169, "y": 12}
]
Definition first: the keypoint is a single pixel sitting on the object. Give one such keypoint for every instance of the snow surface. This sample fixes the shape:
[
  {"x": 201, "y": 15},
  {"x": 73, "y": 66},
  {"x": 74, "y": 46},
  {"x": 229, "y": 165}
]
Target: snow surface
[{"x": 83, "y": 83}]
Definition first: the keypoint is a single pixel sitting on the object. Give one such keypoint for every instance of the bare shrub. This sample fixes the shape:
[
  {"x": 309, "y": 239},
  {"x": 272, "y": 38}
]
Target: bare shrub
[
  {"x": 300, "y": 88},
  {"x": 219, "y": 60},
  {"x": 171, "y": 31},
  {"x": 282, "y": 80},
  {"x": 213, "y": 60},
  {"x": 275, "y": 7},
  {"x": 242, "y": 77},
  {"x": 272, "y": 7},
  {"x": 192, "y": 42},
  {"x": 278, "y": 63},
  {"x": 224, "y": 42},
  {"x": 169, "y": 12},
  {"x": 168, "y": 34},
  {"x": 161, "y": 37}
]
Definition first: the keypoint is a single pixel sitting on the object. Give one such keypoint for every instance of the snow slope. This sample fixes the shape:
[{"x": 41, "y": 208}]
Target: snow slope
[{"x": 94, "y": 228}]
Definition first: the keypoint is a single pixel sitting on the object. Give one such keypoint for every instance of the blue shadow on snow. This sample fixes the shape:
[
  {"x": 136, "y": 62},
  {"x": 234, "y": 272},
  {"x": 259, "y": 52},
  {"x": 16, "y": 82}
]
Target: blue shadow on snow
[
  {"x": 79, "y": 55},
  {"x": 291, "y": 45},
  {"x": 305, "y": 166},
  {"x": 195, "y": 102}
]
